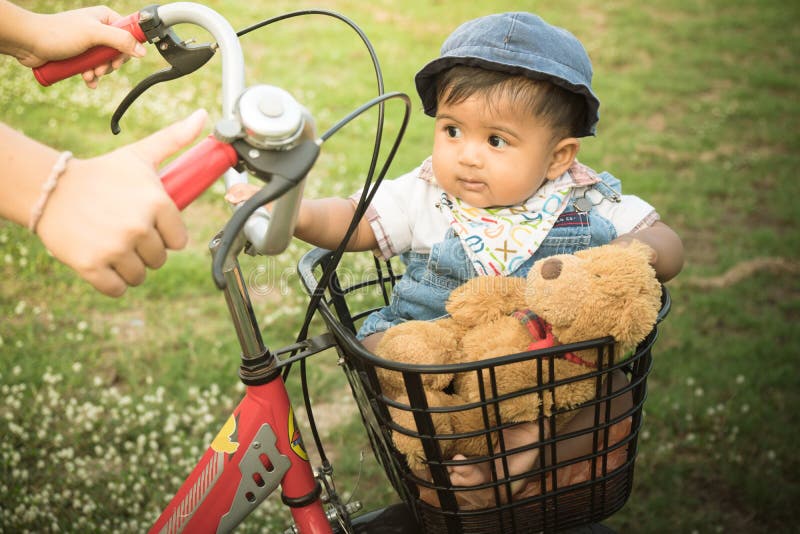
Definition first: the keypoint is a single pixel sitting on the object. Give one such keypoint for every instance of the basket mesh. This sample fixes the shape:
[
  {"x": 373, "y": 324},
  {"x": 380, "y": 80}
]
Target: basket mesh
[{"x": 563, "y": 486}]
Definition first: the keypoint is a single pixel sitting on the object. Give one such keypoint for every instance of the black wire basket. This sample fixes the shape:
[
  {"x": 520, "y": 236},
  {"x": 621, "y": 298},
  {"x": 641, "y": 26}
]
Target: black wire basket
[{"x": 581, "y": 472}]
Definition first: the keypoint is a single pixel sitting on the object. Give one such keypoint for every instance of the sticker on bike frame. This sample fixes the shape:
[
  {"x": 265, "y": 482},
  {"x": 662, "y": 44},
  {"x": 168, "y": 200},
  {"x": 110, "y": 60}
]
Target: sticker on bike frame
[
  {"x": 196, "y": 495},
  {"x": 295, "y": 439},
  {"x": 227, "y": 439}
]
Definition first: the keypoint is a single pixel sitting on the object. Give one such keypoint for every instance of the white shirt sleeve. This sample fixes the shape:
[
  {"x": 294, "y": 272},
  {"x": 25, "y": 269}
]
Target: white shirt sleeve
[
  {"x": 393, "y": 204},
  {"x": 404, "y": 215},
  {"x": 629, "y": 214},
  {"x": 391, "y": 214}
]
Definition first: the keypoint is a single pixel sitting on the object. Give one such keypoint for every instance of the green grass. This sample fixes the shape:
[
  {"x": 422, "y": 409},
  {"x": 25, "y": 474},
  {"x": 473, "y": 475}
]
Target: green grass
[{"x": 107, "y": 403}]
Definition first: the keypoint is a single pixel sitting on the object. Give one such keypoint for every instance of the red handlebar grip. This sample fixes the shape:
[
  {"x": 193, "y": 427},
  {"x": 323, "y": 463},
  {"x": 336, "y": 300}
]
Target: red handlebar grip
[
  {"x": 196, "y": 169},
  {"x": 55, "y": 71}
]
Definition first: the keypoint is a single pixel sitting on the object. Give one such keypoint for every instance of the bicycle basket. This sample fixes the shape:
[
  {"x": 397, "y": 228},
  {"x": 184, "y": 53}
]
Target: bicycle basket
[{"x": 582, "y": 472}]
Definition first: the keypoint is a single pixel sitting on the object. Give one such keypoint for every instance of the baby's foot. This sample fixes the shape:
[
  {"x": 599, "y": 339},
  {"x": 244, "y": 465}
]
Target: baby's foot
[
  {"x": 472, "y": 475},
  {"x": 469, "y": 474}
]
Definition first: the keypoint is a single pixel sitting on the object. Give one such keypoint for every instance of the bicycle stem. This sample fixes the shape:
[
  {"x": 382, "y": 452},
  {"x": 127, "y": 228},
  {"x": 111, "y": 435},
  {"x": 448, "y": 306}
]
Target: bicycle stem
[{"x": 239, "y": 304}]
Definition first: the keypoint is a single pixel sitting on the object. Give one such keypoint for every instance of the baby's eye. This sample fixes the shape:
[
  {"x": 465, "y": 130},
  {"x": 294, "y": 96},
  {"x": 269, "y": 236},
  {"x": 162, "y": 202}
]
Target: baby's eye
[
  {"x": 496, "y": 141},
  {"x": 453, "y": 131}
]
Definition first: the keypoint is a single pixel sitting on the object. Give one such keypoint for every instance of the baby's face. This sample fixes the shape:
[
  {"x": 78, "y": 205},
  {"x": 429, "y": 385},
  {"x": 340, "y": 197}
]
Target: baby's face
[{"x": 490, "y": 156}]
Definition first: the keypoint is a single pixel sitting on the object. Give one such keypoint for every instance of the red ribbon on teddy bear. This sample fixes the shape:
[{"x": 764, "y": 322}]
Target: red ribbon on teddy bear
[{"x": 542, "y": 333}]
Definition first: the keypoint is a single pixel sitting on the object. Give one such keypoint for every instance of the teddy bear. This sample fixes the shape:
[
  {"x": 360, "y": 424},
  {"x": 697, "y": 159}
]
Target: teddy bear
[{"x": 609, "y": 290}]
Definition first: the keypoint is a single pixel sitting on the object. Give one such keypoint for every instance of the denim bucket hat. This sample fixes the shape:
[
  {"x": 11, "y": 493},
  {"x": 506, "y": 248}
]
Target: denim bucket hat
[{"x": 519, "y": 44}]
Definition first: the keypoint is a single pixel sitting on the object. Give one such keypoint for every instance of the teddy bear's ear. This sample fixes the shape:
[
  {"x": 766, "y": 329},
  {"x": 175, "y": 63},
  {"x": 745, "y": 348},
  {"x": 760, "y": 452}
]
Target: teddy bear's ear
[{"x": 551, "y": 268}]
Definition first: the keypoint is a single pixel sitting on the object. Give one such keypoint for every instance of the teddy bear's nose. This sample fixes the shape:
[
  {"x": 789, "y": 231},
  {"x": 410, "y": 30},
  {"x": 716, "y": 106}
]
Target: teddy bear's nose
[{"x": 551, "y": 269}]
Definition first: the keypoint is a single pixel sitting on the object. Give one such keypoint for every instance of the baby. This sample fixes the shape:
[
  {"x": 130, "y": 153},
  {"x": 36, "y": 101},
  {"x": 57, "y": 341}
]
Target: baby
[{"x": 512, "y": 97}]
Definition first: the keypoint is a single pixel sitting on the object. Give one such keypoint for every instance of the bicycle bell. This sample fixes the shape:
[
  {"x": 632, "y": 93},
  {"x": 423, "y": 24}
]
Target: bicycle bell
[{"x": 272, "y": 119}]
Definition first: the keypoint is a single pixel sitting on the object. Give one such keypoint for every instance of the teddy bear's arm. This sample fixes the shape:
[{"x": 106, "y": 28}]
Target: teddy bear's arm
[{"x": 486, "y": 298}]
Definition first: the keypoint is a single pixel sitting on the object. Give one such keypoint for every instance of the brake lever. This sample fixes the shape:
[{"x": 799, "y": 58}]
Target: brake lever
[{"x": 183, "y": 58}]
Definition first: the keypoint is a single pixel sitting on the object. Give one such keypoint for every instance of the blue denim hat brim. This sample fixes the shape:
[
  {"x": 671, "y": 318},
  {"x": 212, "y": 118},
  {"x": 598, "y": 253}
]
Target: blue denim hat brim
[{"x": 517, "y": 44}]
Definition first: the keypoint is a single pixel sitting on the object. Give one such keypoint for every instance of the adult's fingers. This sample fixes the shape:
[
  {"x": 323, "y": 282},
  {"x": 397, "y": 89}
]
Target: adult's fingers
[
  {"x": 164, "y": 143},
  {"x": 130, "y": 268},
  {"x": 108, "y": 35},
  {"x": 171, "y": 228},
  {"x": 107, "y": 281},
  {"x": 151, "y": 249},
  {"x": 153, "y": 150}
]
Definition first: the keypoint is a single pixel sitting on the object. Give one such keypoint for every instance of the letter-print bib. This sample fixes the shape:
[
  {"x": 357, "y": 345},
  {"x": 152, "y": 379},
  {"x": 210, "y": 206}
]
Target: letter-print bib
[{"x": 499, "y": 240}]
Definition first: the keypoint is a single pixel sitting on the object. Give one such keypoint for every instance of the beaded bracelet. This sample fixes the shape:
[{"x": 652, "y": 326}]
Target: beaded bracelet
[{"x": 47, "y": 188}]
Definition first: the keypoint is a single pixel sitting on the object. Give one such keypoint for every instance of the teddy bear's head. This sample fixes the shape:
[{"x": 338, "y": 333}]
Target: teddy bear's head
[{"x": 609, "y": 290}]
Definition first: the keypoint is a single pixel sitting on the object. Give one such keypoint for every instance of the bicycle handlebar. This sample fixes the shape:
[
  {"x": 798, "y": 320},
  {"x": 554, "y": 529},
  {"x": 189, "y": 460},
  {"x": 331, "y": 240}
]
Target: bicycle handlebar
[
  {"x": 196, "y": 169},
  {"x": 188, "y": 175}
]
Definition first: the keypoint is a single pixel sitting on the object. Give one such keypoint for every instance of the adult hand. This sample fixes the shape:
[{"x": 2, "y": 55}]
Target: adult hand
[
  {"x": 109, "y": 217},
  {"x": 67, "y": 34}
]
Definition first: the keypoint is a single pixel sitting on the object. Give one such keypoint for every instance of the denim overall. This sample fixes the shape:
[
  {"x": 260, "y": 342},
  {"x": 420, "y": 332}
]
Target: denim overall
[{"x": 423, "y": 290}]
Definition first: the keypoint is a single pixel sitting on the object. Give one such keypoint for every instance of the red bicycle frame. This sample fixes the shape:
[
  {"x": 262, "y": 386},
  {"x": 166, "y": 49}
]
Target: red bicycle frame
[{"x": 258, "y": 446}]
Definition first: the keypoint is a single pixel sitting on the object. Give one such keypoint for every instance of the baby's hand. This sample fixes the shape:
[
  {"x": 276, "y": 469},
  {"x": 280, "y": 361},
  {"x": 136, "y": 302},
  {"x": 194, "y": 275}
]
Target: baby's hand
[{"x": 238, "y": 193}]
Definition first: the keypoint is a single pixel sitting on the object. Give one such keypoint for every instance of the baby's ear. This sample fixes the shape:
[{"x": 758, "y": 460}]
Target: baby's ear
[{"x": 562, "y": 156}]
